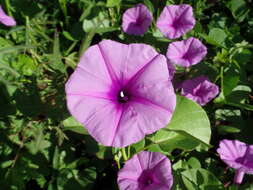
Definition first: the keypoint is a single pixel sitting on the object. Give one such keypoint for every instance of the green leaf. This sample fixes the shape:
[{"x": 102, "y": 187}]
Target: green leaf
[
  {"x": 230, "y": 79},
  {"x": 6, "y": 164},
  {"x": 239, "y": 9},
  {"x": 74, "y": 179},
  {"x": 150, "y": 5},
  {"x": 200, "y": 179},
  {"x": 87, "y": 177},
  {"x": 72, "y": 125},
  {"x": 239, "y": 94},
  {"x": 38, "y": 143},
  {"x": 134, "y": 148},
  {"x": 56, "y": 158},
  {"x": 113, "y": 3},
  {"x": 15, "y": 48},
  {"x": 240, "y": 105},
  {"x": 99, "y": 24},
  {"x": 224, "y": 114},
  {"x": 224, "y": 129},
  {"x": 243, "y": 57},
  {"x": 169, "y": 140},
  {"x": 190, "y": 118},
  {"x": 56, "y": 58},
  {"x": 188, "y": 127},
  {"x": 217, "y": 37},
  {"x": 63, "y": 5},
  {"x": 25, "y": 65},
  {"x": 194, "y": 163}
]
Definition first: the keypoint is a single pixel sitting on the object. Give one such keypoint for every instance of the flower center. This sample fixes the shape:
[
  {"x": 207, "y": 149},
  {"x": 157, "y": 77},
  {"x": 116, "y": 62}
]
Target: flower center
[
  {"x": 139, "y": 21},
  {"x": 146, "y": 178},
  {"x": 123, "y": 97},
  {"x": 148, "y": 181},
  {"x": 176, "y": 24}
]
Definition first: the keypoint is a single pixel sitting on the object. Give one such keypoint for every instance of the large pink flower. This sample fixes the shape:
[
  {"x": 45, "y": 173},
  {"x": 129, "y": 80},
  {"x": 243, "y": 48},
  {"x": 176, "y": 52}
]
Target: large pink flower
[
  {"x": 186, "y": 52},
  {"x": 146, "y": 171},
  {"x": 5, "y": 19},
  {"x": 136, "y": 20},
  {"x": 121, "y": 92},
  {"x": 176, "y": 20},
  {"x": 237, "y": 155}
]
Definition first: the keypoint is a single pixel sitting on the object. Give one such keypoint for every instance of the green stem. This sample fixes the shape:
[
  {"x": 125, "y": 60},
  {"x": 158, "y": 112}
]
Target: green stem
[
  {"x": 8, "y": 7},
  {"x": 118, "y": 164},
  {"x": 123, "y": 150},
  {"x": 221, "y": 75}
]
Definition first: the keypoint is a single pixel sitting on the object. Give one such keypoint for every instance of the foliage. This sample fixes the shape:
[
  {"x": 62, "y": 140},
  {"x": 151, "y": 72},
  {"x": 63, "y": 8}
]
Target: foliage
[{"x": 43, "y": 147}]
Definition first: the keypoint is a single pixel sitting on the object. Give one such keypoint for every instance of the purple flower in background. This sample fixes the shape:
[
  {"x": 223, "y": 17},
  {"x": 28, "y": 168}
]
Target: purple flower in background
[
  {"x": 146, "y": 171},
  {"x": 136, "y": 20},
  {"x": 199, "y": 89},
  {"x": 5, "y": 19},
  {"x": 186, "y": 52},
  {"x": 176, "y": 20},
  {"x": 237, "y": 155},
  {"x": 121, "y": 92}
]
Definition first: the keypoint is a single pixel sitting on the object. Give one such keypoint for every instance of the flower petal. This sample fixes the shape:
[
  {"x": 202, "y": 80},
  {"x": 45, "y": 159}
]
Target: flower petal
[
  {"x": 126, "y": 60},
  {"x": 5, "y": 19},
  {"x": 99, "y": 116},
  {"x": 138, "y": 120},
  {"x": 151, "y": 82},
  {"x": 248, "y": 160}
]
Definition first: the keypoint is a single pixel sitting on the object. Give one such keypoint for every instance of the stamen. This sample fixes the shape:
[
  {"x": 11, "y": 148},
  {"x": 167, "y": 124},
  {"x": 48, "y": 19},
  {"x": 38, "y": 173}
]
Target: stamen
[{"x": 123, "y": 97}]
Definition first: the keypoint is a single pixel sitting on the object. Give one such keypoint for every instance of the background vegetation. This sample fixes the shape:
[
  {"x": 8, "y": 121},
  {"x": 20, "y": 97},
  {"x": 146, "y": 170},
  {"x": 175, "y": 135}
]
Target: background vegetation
[{"x": 43, "y": 147}]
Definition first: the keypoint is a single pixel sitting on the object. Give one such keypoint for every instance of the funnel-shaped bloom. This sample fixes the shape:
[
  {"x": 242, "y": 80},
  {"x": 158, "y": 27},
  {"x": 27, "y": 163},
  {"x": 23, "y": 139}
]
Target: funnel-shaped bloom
[
  {"x": 199, "y": 89},
  {"x": 146, "y": 171},
  {"x": 136, "y": 20},
  {"x": 186, "y": 52},
  {"x": 121, "y": 92},
  {"x": 176, "y": 20},
  {"x": 5, "y": 19},
  {"x": 237, "y": 155}
]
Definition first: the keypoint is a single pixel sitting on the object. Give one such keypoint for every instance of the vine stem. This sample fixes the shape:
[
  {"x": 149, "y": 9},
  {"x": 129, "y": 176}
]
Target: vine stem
[
  {"x": 118, "y": 164},
  {"x": 8, "y": 7},
  {"x": 123, "y": 151}
]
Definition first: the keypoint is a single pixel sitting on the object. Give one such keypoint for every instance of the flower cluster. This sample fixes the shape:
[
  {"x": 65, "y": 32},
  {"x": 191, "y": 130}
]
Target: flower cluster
[
  {"x": 121, "y": 93},
  {"x": 174, "y": 22}
]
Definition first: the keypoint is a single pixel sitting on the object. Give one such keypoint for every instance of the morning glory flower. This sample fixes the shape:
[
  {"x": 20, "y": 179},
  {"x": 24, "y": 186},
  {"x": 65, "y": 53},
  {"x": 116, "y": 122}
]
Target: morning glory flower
[
  {"x": 199, "y": 89},
  {"x": 5, "y": 19},
  {"x": 146, "y": 171},
  {"x": 121, "y": 93},
  {"x": 176, "y": 20},
  {"x": 237, "y": 155},
  {"x": 186, "y": 52},
  {"x": 136, "y": 20}
]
